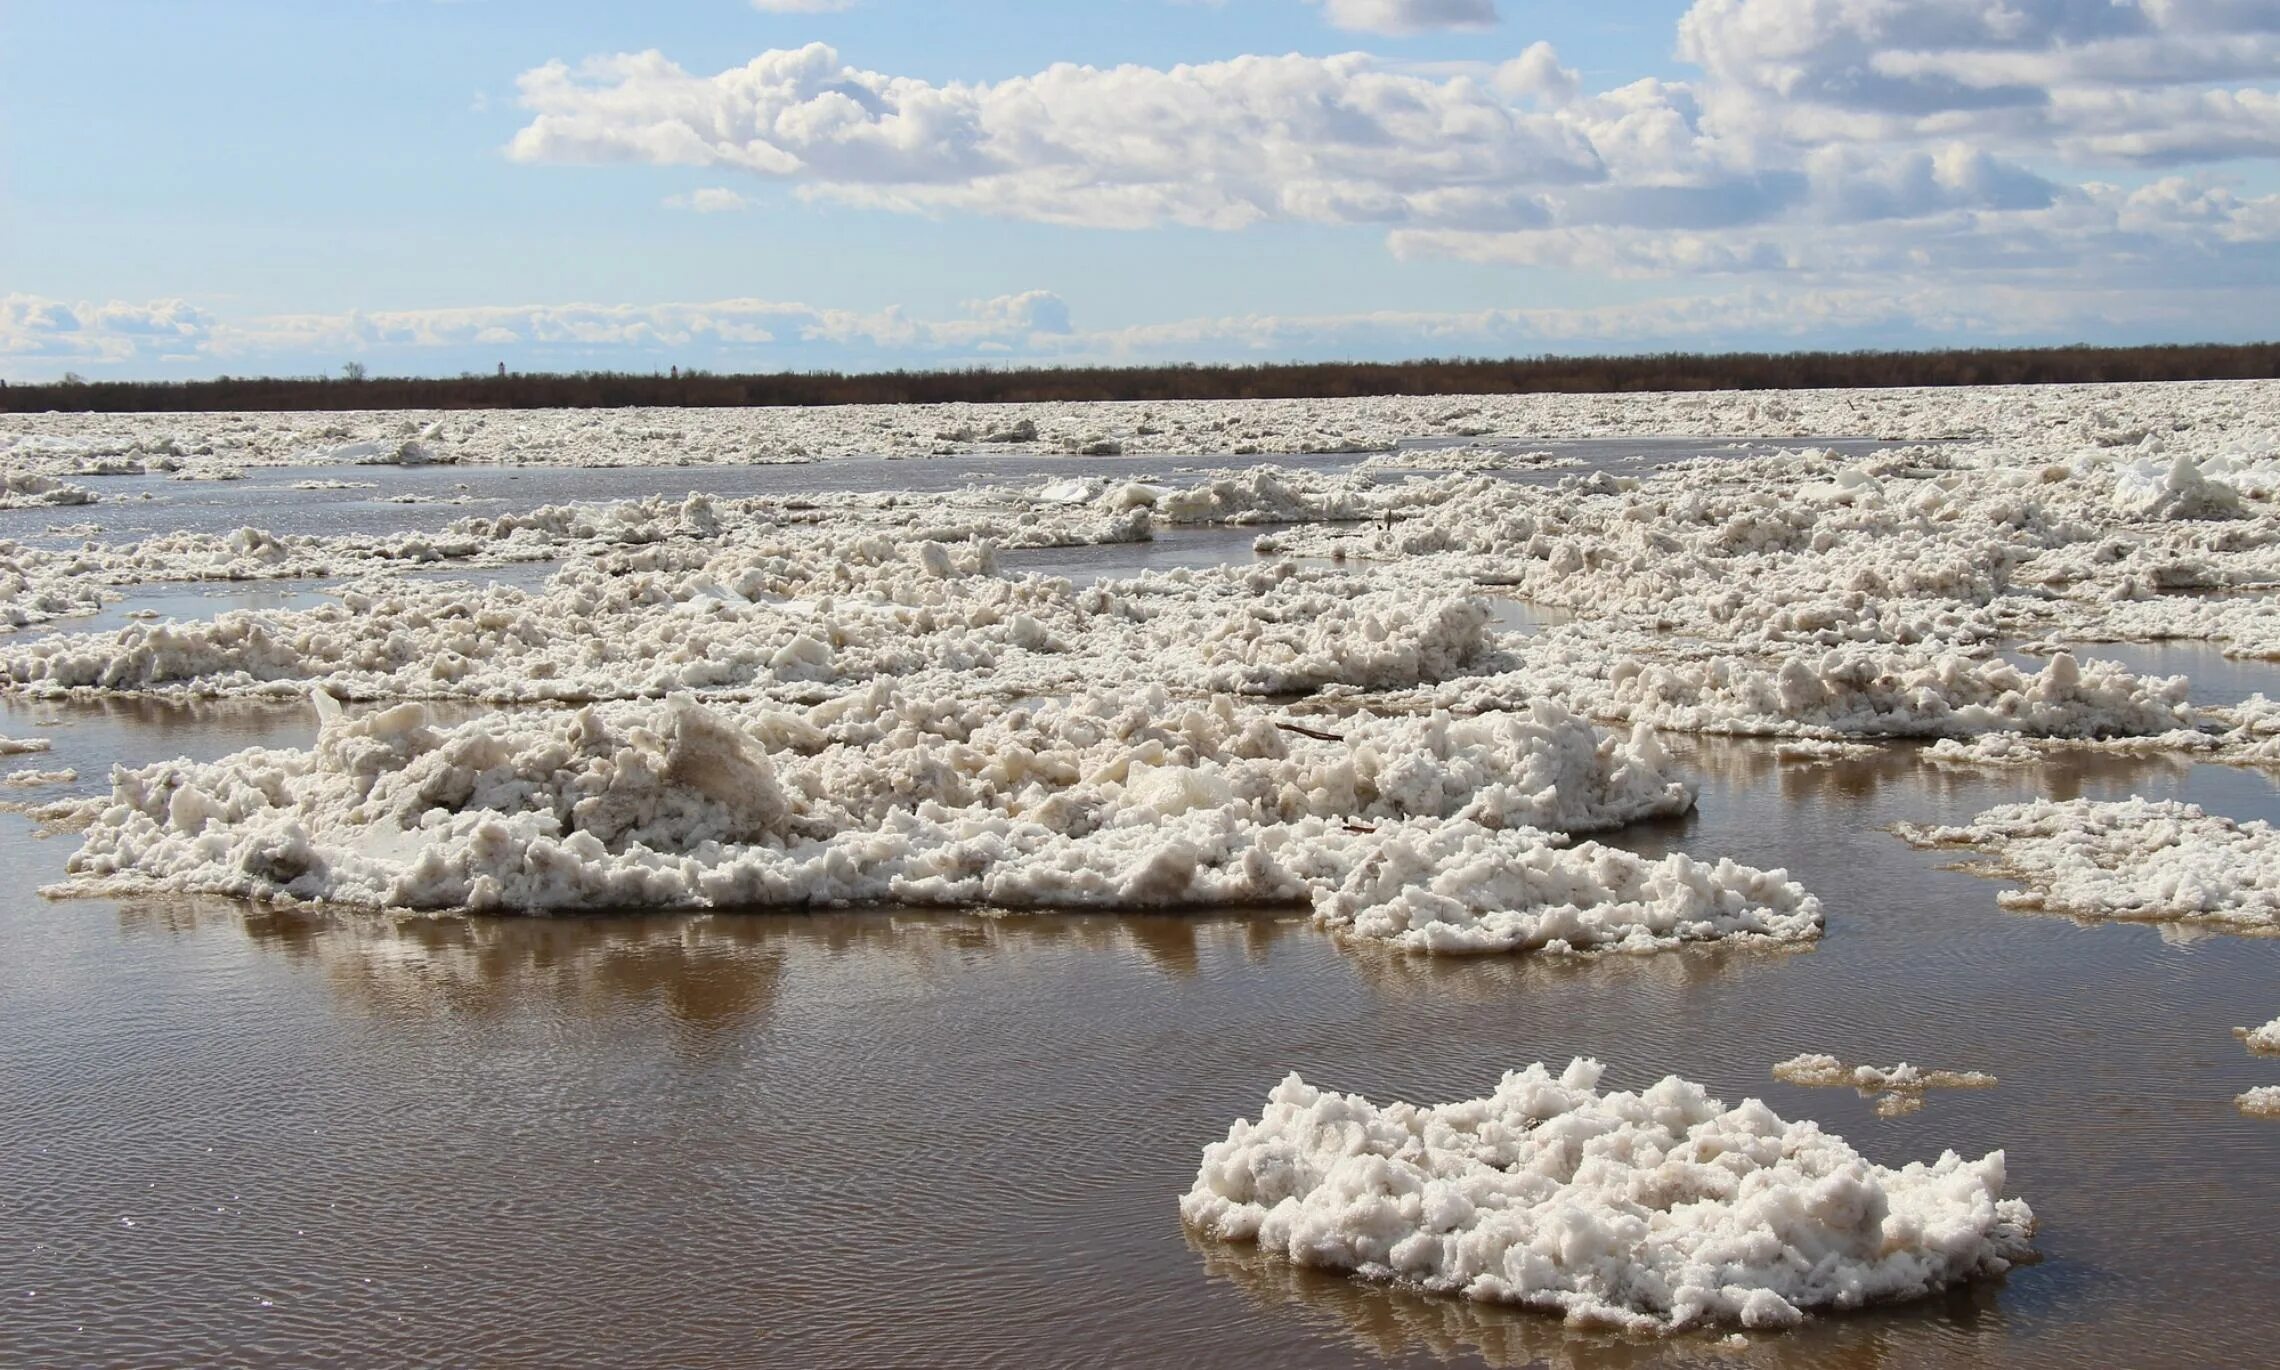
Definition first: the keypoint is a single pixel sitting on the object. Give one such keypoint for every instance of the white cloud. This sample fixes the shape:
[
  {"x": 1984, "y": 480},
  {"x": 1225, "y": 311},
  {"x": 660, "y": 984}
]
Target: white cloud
[
  {"x": 44, "y": 330},
  {"x": 1221, "y": 144},
  {"x": 709, "y": 200},
  {"x": 2099, "y": 81},
  {"x": 802, "y": 6},
  {"x": 1408, "y": 16}
]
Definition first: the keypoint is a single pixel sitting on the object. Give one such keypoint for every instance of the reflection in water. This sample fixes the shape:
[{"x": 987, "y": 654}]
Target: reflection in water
[
  {"x": 1391, "y": 1322},
  {"x": 714, "y": 971},
  {"x": 1667, "y": 976},
  {"x": 715, "y": 974},
  {"x": 2063, "y": 773}
]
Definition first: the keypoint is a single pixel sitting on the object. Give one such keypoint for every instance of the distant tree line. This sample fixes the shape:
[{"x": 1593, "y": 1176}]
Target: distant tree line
[{"x": 1517, "y": 375}]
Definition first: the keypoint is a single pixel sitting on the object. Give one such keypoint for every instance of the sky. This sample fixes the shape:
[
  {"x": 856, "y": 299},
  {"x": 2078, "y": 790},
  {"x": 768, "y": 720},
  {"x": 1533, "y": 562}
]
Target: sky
[{"x": 191, "y": 188}]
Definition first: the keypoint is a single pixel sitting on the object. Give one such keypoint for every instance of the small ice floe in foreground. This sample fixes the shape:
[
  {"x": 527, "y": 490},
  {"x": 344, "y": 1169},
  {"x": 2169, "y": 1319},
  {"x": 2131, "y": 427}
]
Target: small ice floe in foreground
[
  {"x": 1653, "y": 1212},
  {"x": 2265, "y": 1039},
  {"x": 1897, "y": 1089},
  {"x": 19, "y": 746},
  {"x": 2261, "y": 1102},
  {"x": 2135, "y": 859}
]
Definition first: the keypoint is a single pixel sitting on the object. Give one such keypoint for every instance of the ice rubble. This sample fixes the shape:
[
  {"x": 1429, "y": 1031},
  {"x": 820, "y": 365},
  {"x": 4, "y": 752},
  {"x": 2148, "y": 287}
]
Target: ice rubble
[
  {"x": 2134, "y": 859},
  {"x": 1897, "y": 1089},
  {"x": 1432, "y": 833},
  {"x": 1653, "y": 1211},
  {"x": 2261, "y": 1102},
  {"x": 793, "y": 631},
  {"x": 20, "y": 746},
  {"x": 1824, "y": 598}
]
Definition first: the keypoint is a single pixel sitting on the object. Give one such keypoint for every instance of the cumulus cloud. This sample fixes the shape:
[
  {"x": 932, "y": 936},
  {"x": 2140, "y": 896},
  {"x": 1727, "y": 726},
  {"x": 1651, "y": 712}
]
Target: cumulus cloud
[
  {"x": 1408, "y": 16},
  {"x": 1218, "y": 144}
]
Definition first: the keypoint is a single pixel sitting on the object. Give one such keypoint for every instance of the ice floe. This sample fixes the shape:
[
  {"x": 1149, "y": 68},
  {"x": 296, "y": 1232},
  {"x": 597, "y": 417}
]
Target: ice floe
[
  {"x": 1652, "y": 1211},
  {"x": 2135, "y": 859},
  {"x": 1431, "y": 834}
]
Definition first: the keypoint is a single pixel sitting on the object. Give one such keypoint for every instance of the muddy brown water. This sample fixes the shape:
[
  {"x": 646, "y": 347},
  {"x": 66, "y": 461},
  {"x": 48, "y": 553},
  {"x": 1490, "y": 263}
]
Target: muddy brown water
[{"x": 237, "y": 1135}]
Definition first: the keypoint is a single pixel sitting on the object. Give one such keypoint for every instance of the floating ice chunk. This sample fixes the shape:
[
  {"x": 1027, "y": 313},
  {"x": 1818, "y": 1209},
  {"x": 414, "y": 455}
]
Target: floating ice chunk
[
  {"x": 1821, "y": 751},
  {"x": 1897, "y": 1089},
  {"x": 2135, "y": 859},
  {"x": 1991, "y": 749},
  {"x": 19, "y": 746},
  {"x": 2262, "y": 1039},
  {"x": 1653, "y": 1211},
  {"x": 1823, "y": 1070},
  {"x": 1456, "y": 889},
  {"x": 2261, "y": 1102}
]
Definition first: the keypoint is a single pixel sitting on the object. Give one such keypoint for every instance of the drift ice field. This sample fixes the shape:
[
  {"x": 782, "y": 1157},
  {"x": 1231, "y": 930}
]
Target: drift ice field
[{"x": 1770, "y": 739}]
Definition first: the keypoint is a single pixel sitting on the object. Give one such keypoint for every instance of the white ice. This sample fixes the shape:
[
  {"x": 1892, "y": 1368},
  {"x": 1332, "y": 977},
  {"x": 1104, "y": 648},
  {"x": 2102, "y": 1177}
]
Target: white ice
[
  {"x": 2135, "y": 859},
  {"x": 1652, "y": 1211}
]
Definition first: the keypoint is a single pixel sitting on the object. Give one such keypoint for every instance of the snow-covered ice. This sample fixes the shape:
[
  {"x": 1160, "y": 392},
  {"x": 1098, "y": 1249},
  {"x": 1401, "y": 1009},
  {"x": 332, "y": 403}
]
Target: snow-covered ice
[{"x": 1652, "y": 1211}]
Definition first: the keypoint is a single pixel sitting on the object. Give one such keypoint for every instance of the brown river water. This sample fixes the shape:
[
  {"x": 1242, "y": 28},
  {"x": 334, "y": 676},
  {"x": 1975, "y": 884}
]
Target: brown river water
[{"x": 231, "y": 1135}]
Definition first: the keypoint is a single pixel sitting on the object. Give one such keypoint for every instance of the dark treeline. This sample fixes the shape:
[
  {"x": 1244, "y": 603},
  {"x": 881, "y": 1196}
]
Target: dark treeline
[{"x": 1519, "y": 375}]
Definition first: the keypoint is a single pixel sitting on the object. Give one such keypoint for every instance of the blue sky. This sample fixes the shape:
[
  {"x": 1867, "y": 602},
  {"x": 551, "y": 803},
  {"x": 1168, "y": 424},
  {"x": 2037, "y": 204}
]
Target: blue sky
[{"x": 193, "y": 188}]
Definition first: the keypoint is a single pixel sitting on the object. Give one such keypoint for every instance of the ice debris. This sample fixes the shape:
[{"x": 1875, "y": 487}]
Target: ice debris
[
  {"x": 1897, "y": 1089},
  {"x": 1653, "y": 1211}
]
